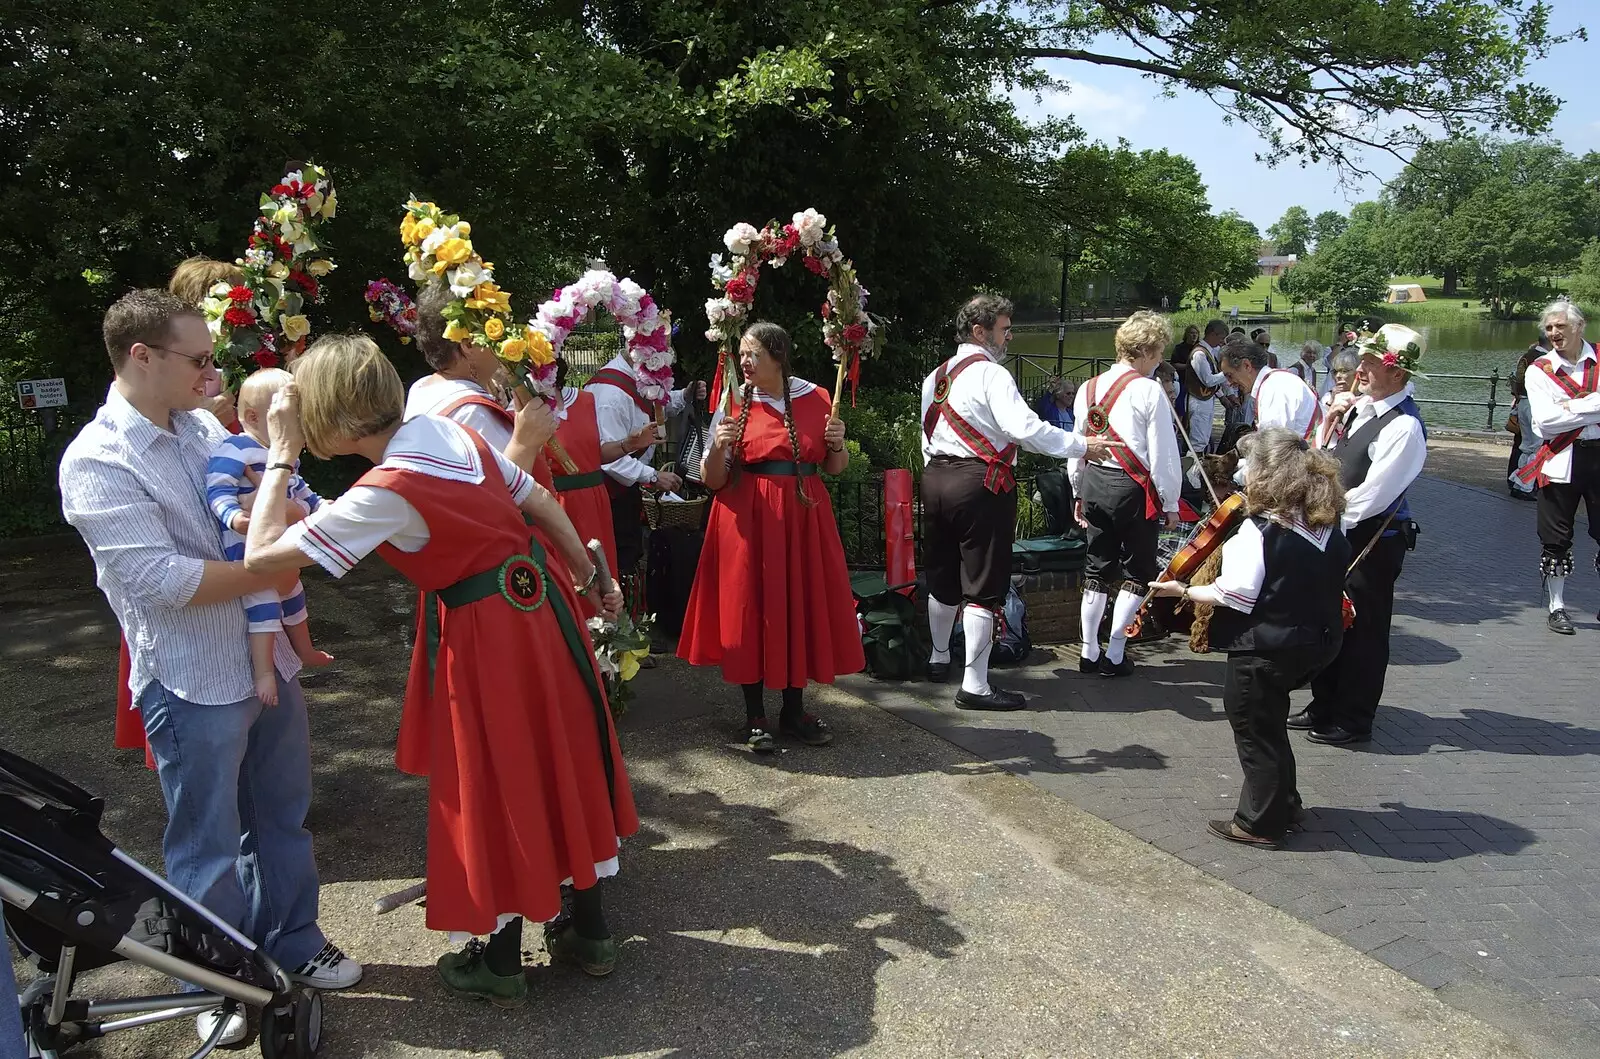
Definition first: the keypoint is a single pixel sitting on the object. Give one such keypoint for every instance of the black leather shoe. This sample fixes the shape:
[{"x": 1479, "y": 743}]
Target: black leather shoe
[
  {"x": 998, "y": 699},
  {"x": 938, "y": 672},
  {"x": 1559, "y": 622},
  {"x": 1086, "y": 665},
  {"x": 1301, "y": 721},
  {"x": 1108, "y": 668},
  {"x": 1337, "y": 736}
]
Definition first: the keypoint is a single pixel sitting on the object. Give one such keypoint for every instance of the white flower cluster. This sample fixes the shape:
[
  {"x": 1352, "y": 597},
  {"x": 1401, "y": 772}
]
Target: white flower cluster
[{"x": 643, "y": 324}]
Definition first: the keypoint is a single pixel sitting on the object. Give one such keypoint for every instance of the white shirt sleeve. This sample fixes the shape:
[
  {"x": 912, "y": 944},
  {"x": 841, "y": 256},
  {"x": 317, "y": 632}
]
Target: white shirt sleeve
[
  {"x": 613, "y": 413},
  {"x": 1080, "y": 420},
  {"x": 491, "y": 426},
  {"x": 1201, "y": 359},
  {"x": 1019, "y": 423},
  {"x": 1398, "y": 453},
  {"x": 1166, "y": 469},
  {"x": 342, "y": 532},
  {"x": 675, "y": 401},
  {"x": 1552, "y": 415},
  {"x": 1244, "y": 569},
  {"x": 519, "y": 482}
]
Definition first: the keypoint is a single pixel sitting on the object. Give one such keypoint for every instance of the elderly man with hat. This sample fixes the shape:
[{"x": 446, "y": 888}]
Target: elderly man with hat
[
  {"x": 1381, "y": 445},
  {"x": 1565, "y": 411}
]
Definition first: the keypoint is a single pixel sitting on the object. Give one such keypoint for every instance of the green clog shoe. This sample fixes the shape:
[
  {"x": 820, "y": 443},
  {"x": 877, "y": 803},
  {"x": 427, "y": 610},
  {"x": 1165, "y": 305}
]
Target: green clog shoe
[
  {"x": 466, "y": 975},
  {"x": 596, "y": 958}
]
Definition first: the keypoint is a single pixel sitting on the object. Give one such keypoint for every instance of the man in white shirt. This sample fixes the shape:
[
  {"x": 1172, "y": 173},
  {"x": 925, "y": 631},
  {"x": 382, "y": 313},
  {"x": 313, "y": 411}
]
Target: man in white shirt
[
  {"x": 1306, "y": 366},
  {"x": 621, "y": 412},
  {"x": 236, "y": 775},
  {"x": 1124, "y": 498},
  {"x": 973, "y": 422},
  {"x": 1564, "y": 407},
  {"x": 1280, "y": 397},
  {"x": 1203, "y": 380},
  {"x": 1381, "y": 444}
]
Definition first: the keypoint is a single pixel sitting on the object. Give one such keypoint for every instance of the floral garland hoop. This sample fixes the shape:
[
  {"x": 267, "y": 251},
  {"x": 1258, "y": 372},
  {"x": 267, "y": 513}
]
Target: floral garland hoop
[
  {"x": 388, "y": 304},
  {"x": 646, "y": 328},
  {"x": 847, "y": 328},
  {"x": 256, "y": 323}
]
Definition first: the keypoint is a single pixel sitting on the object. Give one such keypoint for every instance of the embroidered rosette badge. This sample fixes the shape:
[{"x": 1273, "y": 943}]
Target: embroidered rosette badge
[
  {"x": 522, "y": 583},
  {"x": 1099, "y": 422},
  {"x": 941, "y": 390}
]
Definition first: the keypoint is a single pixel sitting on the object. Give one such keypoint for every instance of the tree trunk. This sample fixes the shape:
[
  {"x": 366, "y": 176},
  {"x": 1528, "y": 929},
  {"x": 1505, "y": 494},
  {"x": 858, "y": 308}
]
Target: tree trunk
[{"x": 1450, "y": 281}]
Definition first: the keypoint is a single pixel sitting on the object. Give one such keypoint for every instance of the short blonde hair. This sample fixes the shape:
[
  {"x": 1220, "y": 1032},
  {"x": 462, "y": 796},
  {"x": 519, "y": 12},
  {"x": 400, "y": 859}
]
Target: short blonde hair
[
  {"x": 348, "y": 391},
  {"x": 1142, "y": 332},
  {"x": 259, "y": 387},
  {"x": 1289, "y": 479},
  {"x": 193, "y": 279}
]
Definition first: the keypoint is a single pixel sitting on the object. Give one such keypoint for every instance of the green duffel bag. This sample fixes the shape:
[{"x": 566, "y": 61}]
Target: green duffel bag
[
  {"x": 893, "y": 638},
  {"x": 1046, "y": 555}
]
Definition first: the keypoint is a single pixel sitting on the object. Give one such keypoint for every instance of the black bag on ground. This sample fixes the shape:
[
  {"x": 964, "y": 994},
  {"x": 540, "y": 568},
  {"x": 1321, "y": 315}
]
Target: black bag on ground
[
  {"x": 1055, "y": 495},
  {"x": 1013, "y": 645},
  {"x": 893, "y": 635}
]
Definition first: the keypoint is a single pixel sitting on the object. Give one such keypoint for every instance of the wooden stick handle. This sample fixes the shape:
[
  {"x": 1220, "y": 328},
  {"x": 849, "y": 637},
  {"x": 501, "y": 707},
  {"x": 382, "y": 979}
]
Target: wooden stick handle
[
  {"x": 597, "y": 552},
  {"x": 838, "y": 386}
]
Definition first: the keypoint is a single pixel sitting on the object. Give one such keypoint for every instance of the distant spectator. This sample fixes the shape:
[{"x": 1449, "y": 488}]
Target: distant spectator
[
  {"x": 1306, "y": 366},
  {"x": 1055, "y": 403},
  {"x": 1524, "y": 442},
  {"x": 1342, "y": 377}
]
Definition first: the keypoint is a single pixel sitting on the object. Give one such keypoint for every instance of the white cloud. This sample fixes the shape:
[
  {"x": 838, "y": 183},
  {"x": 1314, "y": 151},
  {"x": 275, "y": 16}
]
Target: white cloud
[{"x": 1103, "y": 114}]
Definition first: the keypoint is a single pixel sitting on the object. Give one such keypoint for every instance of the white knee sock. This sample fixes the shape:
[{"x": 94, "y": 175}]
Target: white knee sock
[
  {"x": 1556, "y": 586},
  {"x": 941, "y": 622},
  {"x": 1127, "y": 606},
  {"x": 1089, "y": 614},
  {"x": 978, "y": 625}
]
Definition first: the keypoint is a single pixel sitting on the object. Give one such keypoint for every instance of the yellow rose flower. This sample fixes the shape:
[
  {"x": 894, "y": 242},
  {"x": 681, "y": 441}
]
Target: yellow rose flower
[
  {"x": 330, "y": 205},
  {"x": 320, "y": 267},
  {"x": 463, "y": 229},
  {"x": 421, "y": 230},
  {"x": 453, "y": 252},
  {"x": 540, "y": 351},
  {"x": 456, "y": 331},
  {"x": 627, "y": 666},
  {"x": 491, "y": 297},
  {"x": 494, "y": 328},
  {"x": 295, "y": 327},
  {"x": 514, "y": 350}
]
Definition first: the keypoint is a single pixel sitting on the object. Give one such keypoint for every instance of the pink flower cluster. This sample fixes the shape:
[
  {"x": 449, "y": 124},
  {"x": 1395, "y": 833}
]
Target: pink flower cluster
[{"x": 646, "y": 327}]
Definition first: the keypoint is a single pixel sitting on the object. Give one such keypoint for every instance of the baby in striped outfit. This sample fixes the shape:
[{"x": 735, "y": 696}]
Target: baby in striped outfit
[{"x": 231, "y": 493}]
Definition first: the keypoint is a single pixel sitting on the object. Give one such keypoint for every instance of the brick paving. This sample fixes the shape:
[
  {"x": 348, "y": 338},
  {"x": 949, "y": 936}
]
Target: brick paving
[{"x": 1461, "y": 847}]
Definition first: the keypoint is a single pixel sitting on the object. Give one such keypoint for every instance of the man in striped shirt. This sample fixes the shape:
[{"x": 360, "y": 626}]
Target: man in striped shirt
[{"x": 236, "y": 775}]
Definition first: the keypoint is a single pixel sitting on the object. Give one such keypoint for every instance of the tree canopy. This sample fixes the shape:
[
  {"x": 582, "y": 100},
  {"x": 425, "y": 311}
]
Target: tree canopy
[{"x": 1293, "y": 232}]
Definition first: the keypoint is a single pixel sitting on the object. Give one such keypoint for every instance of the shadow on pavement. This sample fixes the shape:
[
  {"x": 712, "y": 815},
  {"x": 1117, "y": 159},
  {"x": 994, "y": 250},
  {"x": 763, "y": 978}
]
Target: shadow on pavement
[
  {"x": 1404, "y": 732},
  {"x": 1404, "y": 833},
  {"x": 740, "y": 937}
]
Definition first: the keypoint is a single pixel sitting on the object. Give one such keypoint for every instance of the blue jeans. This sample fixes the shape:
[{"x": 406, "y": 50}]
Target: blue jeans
[
  {"x": 237, "y": 782},
  {"x": 10, "y": 1019}
]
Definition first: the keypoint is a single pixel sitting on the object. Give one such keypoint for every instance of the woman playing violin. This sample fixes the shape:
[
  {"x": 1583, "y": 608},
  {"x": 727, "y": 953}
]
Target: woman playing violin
[{"x": 1278, "y": 601}]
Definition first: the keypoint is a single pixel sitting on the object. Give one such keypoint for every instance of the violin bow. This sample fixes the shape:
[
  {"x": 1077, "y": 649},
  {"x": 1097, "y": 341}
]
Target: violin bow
[{"x": 1183, "y": 432}]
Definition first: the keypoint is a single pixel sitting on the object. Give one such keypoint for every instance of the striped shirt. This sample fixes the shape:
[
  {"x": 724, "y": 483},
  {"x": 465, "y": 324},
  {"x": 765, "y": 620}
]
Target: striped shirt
[
  {"x": 229, "y": 489},
  {"x": 136, "y": 492}
]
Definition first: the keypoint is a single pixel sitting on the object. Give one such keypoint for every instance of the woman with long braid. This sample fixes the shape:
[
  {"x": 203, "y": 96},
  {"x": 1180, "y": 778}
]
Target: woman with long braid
[{"x": 771, "y": 602}]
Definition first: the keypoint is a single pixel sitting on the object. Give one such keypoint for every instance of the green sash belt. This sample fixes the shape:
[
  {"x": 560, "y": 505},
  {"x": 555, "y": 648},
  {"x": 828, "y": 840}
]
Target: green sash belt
[
  {"x": 566, "y": 483},
  {"x": 524, "y": 583},
  {"x": 788, "y": 467}
]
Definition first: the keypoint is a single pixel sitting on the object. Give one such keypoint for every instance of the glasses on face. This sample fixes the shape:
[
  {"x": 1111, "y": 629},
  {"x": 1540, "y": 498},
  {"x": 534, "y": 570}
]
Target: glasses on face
[{"x": 205, "y": 362}]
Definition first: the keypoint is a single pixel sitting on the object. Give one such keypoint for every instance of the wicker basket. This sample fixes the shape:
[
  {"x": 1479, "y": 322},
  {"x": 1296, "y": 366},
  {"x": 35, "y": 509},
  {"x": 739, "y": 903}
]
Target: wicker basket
[{"x": 673, "y": 514}]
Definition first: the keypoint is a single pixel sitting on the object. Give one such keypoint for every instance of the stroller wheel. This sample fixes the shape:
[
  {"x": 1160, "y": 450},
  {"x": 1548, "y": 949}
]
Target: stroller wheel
[{"x": 294, "y": 1030}]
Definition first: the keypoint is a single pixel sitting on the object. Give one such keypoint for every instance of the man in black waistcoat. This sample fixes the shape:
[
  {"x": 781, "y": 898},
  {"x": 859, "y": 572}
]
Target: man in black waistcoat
[{"x": 1381, "y": 445}]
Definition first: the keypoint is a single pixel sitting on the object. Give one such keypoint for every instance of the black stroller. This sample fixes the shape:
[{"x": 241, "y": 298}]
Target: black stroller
[{"x": 73, "y": 901}]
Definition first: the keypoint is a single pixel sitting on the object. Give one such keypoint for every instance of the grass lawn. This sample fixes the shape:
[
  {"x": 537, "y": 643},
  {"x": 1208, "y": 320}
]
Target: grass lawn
[{"x": 1251, "y": 301}]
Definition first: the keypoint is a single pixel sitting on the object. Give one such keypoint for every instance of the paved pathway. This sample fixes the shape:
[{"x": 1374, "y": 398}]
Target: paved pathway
[{"x": 1460, "y": 847}]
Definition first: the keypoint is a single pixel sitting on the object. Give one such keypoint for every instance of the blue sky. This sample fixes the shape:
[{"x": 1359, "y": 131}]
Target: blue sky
[{"x": 1110, "y": 103}]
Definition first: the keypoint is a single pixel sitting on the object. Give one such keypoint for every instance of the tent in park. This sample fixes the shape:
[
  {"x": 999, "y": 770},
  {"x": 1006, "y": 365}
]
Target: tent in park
[{"x": 1405, "y": 292}]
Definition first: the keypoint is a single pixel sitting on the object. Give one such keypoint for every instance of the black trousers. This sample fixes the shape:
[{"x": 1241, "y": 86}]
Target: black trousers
[
  {"x": 1347, "y": 692},
  {"x": 1256, "y": 698},
  {"x": 966, "y": 533},
  {"x": 627, "y": 514},
  {"x": 1558, "y": 509},
  {"x": 1121, "y": 543}
]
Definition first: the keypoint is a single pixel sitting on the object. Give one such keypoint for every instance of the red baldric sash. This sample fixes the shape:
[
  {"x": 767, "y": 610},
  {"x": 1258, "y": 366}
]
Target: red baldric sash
[
  {"x": 1098, "y": 423},
  {"x": 1533, "y": 473},
  {"x": 477, "y": 399},
  {"x": 999, "y": 478},
  {"x": 625, "y": 383}
]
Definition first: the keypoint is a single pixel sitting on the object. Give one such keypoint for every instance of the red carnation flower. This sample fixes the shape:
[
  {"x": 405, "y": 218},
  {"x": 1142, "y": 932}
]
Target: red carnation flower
[
  {"x": 306, "y": 282},
  {"x": 815, "y": 264},
  {"x": 265, "y": 358},
  {"x": 240, "y": 294},
  {"x": 855, "y": 334},
  {"x": 281, "y": 190},
  {"x": 238, "y": 317},
  {"x": 827, "y": 310},
  {"x": 307, "y": 190},
  {"x": 740, "y": 289}
]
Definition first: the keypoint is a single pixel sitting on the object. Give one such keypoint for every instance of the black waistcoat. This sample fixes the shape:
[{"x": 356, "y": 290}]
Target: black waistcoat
[{"x": 1301, "y": 600}]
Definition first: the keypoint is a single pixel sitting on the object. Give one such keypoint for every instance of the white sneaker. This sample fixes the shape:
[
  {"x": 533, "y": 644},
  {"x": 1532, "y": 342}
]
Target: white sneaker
[
  {"x": 206, "y": 1024},
  {"x": 328, "y": 969}
]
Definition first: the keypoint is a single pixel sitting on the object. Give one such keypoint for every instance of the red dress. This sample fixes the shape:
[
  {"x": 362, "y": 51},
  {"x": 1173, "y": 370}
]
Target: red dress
[
  {"x": 519, "y": 796},
  {"x": 771, "y": 600},
  {"x": 583, "y": 493}
]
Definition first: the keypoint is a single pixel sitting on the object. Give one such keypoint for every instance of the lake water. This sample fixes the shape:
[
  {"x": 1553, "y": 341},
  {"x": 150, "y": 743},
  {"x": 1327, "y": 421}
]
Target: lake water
[{"x": 1467, "y": 348}]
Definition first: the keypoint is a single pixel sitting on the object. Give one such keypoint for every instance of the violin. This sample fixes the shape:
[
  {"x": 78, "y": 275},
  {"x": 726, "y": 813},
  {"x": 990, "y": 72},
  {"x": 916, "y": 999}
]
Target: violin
[{"x": 1207, "y": 538}]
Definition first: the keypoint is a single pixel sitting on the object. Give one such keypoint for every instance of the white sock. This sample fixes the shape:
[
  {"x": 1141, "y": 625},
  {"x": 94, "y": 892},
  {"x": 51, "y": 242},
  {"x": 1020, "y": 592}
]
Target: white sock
[
  {"x": 941, "y": 622},
  {"x": 1127, "y": 606},
  {"x": 1556, "y": 586},
  {"x": 978, "y": 625},
  {"x": 1090, "y": 613}
]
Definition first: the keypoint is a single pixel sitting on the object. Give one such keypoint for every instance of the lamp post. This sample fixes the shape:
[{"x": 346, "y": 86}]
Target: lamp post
[{"x": 1061, "y": 317}]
